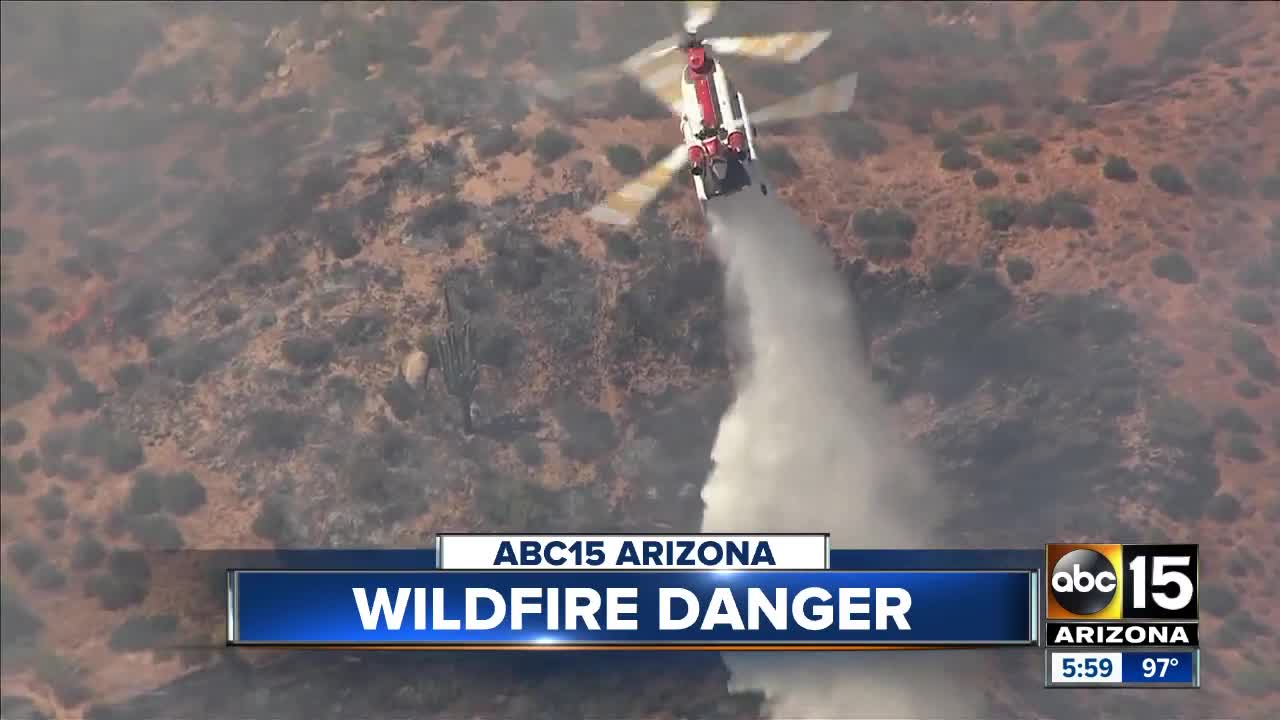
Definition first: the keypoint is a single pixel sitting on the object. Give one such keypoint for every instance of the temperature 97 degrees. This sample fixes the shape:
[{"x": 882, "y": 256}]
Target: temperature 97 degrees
[
  {"x": 1163, "y": 669},
  {"x": 1157, "y": 667},
  {"x": 1068, "y": 668}
]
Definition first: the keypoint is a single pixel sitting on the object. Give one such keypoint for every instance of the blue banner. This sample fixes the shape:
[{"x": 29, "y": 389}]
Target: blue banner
[{"x": 627, "y": 609}]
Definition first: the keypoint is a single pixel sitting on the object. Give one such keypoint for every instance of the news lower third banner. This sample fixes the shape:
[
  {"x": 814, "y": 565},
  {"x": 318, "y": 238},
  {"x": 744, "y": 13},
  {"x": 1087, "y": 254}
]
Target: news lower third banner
[{"x": 586, "y": 609}]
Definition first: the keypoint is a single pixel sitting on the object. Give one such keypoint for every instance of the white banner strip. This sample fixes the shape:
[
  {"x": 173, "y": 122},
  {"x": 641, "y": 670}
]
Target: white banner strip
[{"x": 632, "y": 552}]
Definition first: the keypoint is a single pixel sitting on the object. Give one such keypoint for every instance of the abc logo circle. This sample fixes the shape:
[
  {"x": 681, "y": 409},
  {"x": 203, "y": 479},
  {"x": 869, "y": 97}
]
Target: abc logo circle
[{"x": 1084, "y": 582}]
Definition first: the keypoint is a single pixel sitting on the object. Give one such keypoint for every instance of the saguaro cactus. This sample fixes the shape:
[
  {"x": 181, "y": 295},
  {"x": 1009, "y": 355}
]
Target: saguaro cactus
[{"x": 457, "y": 362}]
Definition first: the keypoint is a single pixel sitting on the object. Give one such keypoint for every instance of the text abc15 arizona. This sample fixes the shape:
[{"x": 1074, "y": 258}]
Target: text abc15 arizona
[{"x": 1122, "y": 595}]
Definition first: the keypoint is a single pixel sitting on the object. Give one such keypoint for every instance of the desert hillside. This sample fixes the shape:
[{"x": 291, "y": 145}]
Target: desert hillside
[{"x": 227, "y": 227}]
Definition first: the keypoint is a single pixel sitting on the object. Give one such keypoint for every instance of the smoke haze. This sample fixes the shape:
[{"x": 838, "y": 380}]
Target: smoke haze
[{"x": 809, "y": 446}]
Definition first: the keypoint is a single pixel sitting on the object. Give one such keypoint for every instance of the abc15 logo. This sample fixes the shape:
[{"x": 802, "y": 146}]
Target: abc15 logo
[{"x": 1122, "y": 582}]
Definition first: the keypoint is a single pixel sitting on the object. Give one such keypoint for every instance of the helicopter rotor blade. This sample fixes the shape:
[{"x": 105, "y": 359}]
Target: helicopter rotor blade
[
  {"x": 625, "y": 205},
  {"x": 831, "y": 98},
  {"x": 789, "y": 47},
  {"x": 697, "y": 14}
]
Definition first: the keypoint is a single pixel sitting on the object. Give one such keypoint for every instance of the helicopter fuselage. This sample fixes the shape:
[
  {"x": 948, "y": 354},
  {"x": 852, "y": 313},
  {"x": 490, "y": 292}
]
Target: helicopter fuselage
[{"x": 716, "y": 132}]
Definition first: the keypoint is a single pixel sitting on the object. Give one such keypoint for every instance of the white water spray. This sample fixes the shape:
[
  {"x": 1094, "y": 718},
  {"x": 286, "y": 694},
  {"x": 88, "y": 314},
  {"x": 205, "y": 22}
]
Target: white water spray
[{"x": 809, "y": 445}]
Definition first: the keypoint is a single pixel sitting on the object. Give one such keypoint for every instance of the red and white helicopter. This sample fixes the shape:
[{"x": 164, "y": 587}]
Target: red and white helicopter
[{"x": 719, "y": 134}]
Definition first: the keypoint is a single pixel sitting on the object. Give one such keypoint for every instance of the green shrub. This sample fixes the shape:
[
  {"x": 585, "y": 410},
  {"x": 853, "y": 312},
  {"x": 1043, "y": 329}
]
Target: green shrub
[
  {"x": 587, "y": 431},
  {"x": 18, "y": 623},
  {"x": 1219, "y": 176},
  {"x": 1084, "y": 155},
  {"x": 83, "y": 397},
  {"x": 945, "y": 276},
  {"x": 63, "y": 676},
  {"x": 1027, "y": 145},
  {"x": 342, "y": 243},
  {"x": 227, "y": 313},
  {"x": 885, "y": 249},
  {"x": 1059, "y": 210},
  {"x": 52, "y": 506},
  {"x": 157, "y": 532},
  {"x": 12, "y": 432},
  {"x": 494, "y": 141},
  {"x": 1178, "y": 423},
  {"x": 1244, "y": 564},
  {"x": 1169, "y": 179},
  {"x": 621, "y": 247},
  {"x": 1248, "y": 389},
  {"x": 272, "y": 521},
  {"x": 40, "y": 299},
  {"x": 307, "y": 352},
  {"x": 1223, "y": 508},
  {"x": 1000, "y": 213},
  {"x": 1012, "y": 149},
  {"x": 1256, "y": 274},
  {"x": 23, "y": 375},
  {"x": 182, "y": 493},
  {"x": 1080, "y": 116},
  {"x": 87, "y": 554},
  {"x": 361, "y": 329},
  {"x": 143, "y": 632},
  {"x": 1270, "y": 188},
  {"x": 550, "y": 145},
  {"x": 124, "y": 453},
  {"x": 517, "y": 506},
  {"x": 956, "y": 159},
  {"x": 974, "y": 125},
  {"x": 530, "y": 452},
  {"x": 1118, "y": 168},
  {"x": 129, "y": 375},
  {"x": 1256, "y": 682},
  {"x": 1094, "y": 56},
  {"x": 46, "y": 576},
  {"x": 273, "y": 430},
  {"x": 887, "y": 222},
  {"x": 11, "y": 480},
  {"x": 144, "y": 495},
  {"x": 778, "y": 159},
  {"x": 13, "y": 319},
  {"x": 126, "y": 582},
  {"x": 1241, "y": 448},
  {"x": 985, "y": 179},
  {"x": 919, "y": 118},
  {"x": 854, "y": 138},
  {"x": 1174, "y": 267},
  {"x": 1188, "y": 35},
  {"x": 1253, "y": 309},
  {"x": 1253, "y": 353},
  {"x": 626, "y": 159},
  {"x": 1237, "y": 421},
  {"x": 1219, "y": 599},
  {"x": 965, "y": 92},
  {"x": 25, "y": 556},
  {"x": 12, "y": 241},
  {"x": 949, "y": 140},
  {"x": 1057, "y": 22}
]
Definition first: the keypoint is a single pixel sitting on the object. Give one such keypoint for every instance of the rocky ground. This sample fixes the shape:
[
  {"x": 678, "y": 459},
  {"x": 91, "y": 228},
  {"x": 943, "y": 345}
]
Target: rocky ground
[{"x": 226, "y": 225}]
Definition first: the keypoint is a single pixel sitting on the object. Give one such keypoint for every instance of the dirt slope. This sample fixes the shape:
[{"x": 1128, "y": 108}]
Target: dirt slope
[{"x": 226, "y": 225}]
